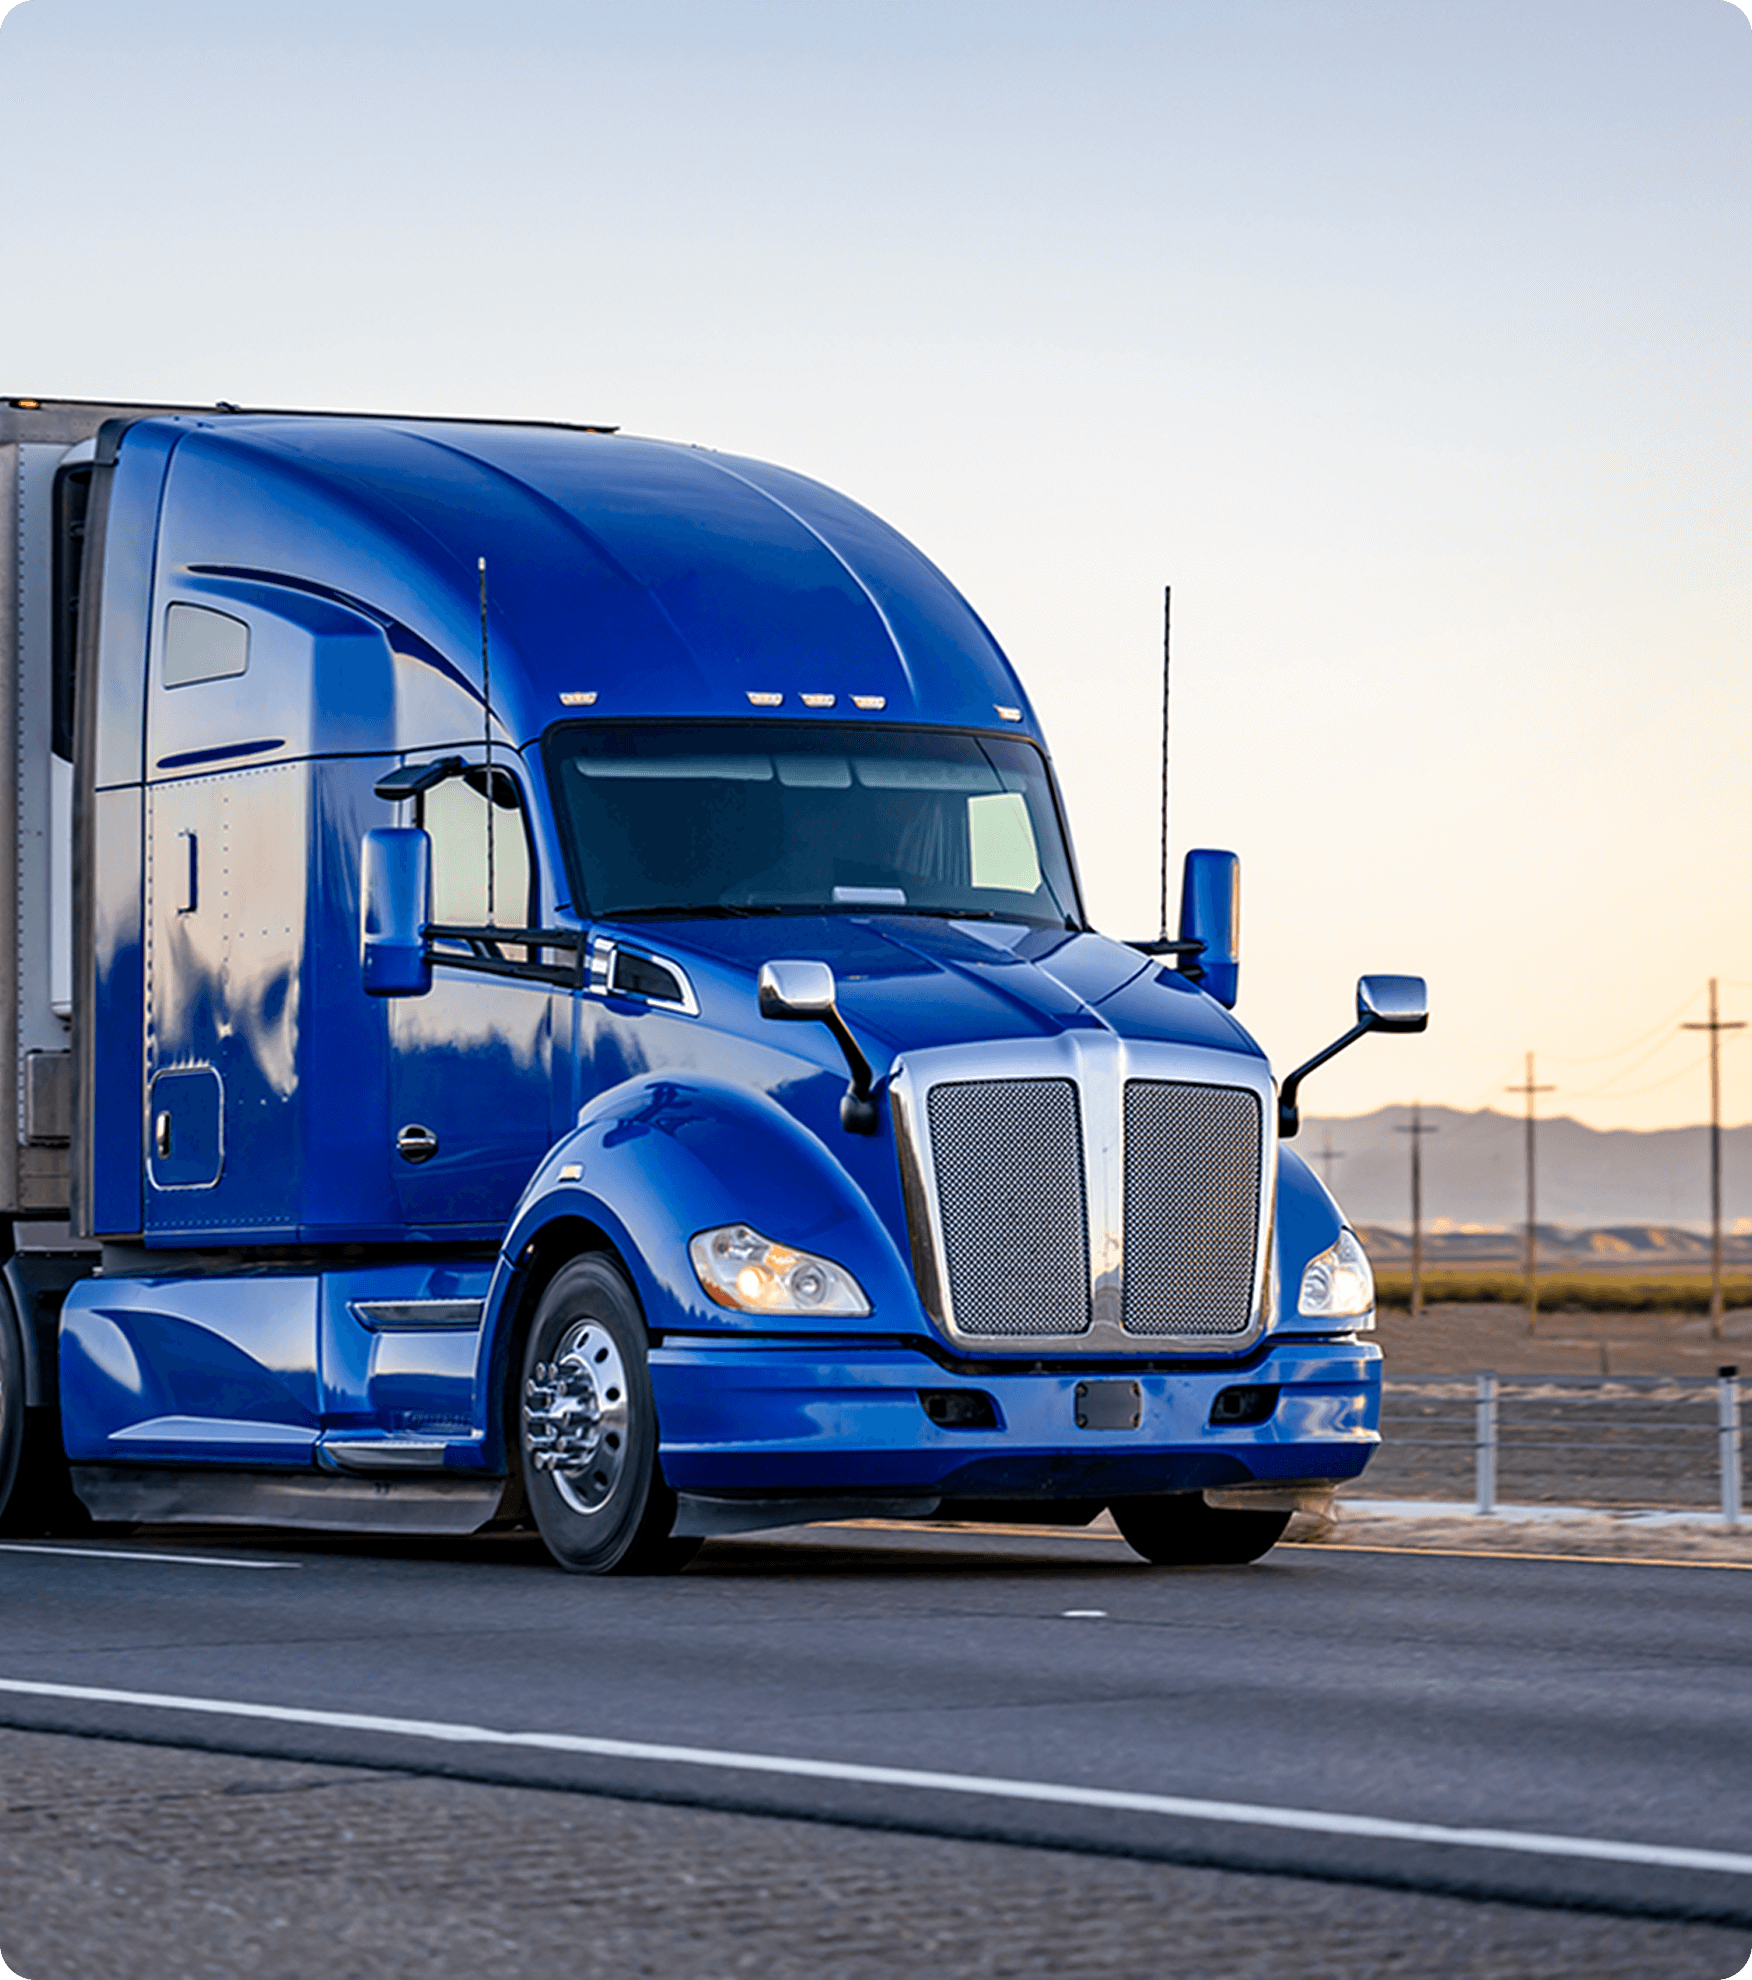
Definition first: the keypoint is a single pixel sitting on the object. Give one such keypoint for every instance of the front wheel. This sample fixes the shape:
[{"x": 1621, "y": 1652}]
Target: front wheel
[
  {"x": 1178, "y": 1529},
  {"x": 587, "y": 1429}
]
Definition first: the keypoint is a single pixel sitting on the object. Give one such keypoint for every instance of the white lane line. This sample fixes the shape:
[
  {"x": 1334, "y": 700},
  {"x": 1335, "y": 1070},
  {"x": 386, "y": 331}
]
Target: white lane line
[
  {"x": 119, "y": 1554},
  {"x": 1312, "y": 1821}
]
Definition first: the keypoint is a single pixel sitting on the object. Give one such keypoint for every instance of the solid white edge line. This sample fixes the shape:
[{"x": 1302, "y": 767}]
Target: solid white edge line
[
  {"x": 1307, "y": 1820},
  {"x": 121, "y": 1554}
]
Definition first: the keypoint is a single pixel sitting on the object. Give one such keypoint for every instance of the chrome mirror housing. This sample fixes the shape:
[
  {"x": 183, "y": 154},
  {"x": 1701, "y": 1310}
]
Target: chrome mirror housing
[
  {"x": 804, "y": 990},
  {"x": 1393, "y": 1003},
  {"x": 797, "y": 990}
]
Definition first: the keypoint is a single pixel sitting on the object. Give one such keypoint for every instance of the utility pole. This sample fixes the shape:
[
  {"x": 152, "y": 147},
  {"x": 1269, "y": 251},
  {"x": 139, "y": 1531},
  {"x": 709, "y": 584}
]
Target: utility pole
[
  {"x": 1715, "y": 1027},
  {"x": 1417, "y": 1131},
  {"x": 1529, "y": 1088},
  {"x": 1327, "y": 1156}
]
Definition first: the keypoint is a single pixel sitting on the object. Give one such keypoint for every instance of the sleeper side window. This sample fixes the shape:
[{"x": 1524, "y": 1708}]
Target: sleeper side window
[
  {"x": 202, "y": 645},
  {"x": 454, "y": 813}
]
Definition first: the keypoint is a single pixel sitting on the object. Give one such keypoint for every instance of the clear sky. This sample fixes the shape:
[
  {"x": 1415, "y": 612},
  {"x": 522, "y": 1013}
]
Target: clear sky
[{"x": 1408, "y": 339}]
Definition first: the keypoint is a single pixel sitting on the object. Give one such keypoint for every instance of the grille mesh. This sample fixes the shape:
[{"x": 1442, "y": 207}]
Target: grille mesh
[
  {"x": 1191, "y": 1207},
  {"x": 1008, "y": 1156}
]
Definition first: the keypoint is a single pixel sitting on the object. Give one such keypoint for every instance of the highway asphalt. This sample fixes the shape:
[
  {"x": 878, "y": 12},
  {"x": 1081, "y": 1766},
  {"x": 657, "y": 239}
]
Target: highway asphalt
[{"x": 1562, "y": 1737}]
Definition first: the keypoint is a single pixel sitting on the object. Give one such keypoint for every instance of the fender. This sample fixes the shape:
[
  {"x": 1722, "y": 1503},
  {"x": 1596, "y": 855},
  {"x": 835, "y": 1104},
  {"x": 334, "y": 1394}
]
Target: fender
[
  {"x": 1308, "y": 1220},
  {"x": 654, "y": 1160}
]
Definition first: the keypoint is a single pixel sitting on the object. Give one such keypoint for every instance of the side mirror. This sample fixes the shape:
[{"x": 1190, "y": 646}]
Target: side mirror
[
  {"x": 395, "y": 904},
  {"x": 1384, "y": 1003},
  {"x": 1210, "y": 914},
  {"x": 1393, "y": 1003},
  {"x": 797, "y": 990},
  {"x": 806, "y": 990}
]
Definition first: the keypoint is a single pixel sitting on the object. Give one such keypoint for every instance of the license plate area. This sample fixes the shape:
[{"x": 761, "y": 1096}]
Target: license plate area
[{"x": 1109, "y": 1405}]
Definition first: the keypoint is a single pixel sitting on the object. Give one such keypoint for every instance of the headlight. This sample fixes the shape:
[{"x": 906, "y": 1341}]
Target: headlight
[
  {"x": 741, "y": 1269},
  {"x": 1338, "y": 1285}
]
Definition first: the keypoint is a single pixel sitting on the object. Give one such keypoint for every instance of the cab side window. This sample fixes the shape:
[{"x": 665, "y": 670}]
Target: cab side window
[{"x": 455, "y": 814}]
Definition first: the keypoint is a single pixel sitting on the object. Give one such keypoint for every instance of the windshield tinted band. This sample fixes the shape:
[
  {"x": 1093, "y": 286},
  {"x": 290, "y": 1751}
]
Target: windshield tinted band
[{"x": 817, "y": 817}]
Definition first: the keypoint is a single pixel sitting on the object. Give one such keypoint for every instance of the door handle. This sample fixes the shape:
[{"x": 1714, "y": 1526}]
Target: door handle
[
  {"x": 161, "y": 1135},
  {"x": 416, "y": 1144}
]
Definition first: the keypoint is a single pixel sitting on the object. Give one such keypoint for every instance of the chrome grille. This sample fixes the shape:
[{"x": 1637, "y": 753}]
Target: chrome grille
[
  {"x": 1192, "y": 1178},
  {"x": 1011, "y": 1204}
]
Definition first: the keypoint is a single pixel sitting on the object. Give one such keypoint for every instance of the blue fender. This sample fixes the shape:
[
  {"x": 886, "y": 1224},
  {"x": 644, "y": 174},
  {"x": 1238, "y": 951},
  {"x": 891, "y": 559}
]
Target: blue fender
[
  {"x": 1308, "y": 1220},
  {"x": 655, "y": 1160}
]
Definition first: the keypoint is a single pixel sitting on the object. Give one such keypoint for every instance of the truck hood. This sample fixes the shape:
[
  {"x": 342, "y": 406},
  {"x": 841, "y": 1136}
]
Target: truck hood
[{"x": 910, "y": 982}]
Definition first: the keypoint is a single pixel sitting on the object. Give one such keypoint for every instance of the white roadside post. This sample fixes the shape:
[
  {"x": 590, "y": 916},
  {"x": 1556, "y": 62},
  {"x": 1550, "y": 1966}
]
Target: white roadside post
[
  {"x": 1487, "y": 1442},
  {"x": 1728, "y": 1393}
]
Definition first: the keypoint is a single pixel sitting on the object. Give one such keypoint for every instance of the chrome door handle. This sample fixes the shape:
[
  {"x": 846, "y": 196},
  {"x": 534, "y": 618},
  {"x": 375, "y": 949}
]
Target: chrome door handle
[{"x": 416, "y": 1143}]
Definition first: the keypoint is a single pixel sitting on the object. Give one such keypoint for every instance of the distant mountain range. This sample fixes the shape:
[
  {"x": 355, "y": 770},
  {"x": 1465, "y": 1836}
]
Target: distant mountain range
[{"x": 1474, "y": 1172}]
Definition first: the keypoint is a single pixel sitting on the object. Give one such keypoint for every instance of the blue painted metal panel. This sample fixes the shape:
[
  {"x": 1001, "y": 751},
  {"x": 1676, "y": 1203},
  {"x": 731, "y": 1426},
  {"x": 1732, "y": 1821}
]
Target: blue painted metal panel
[
  {"x": 407, "y": 1380},
  {"x": 118, "y": 1098},
  {"x": 840, "y": 1418},
  {"x": 216, "y": 1371},
  {"x": 345, "y": 1152},
  {"x": 129, "y": 553},
  {"x": 186, "y": 1148},
  {"x": 1308, "y": 1220},
  {"x": 471, "y": 1062},
  {"x": 224, "y": 981},
  {"x": 699, "y": 577},
  {"x": 662, "y": 1159}
]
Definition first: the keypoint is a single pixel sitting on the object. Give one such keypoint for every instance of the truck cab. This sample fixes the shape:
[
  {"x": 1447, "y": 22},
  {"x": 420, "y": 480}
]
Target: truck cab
[{"x": 579, "y": 1011}]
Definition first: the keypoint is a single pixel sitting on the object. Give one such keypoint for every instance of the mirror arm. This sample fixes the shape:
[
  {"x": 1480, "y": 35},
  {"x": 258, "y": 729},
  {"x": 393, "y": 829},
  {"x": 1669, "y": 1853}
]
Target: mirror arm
[
  {"x": 858, "y": 1102},
  {"x": 1289, "y": 1117}
]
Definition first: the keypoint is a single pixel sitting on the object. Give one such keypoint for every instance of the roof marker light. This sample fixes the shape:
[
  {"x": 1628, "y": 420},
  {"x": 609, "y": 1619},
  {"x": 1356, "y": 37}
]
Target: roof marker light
[
  {"x": 764, "y": 700},
  {"x": 819, "y": 700},
  {"x": 1007, "y": 714},
  {"x": 869, "y": 701},
  {"x": 577, "y": 697}
]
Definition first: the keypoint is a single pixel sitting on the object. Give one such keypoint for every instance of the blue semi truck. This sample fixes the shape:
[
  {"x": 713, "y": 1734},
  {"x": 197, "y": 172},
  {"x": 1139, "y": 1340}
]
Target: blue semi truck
[{"x": 551, "y": 988}]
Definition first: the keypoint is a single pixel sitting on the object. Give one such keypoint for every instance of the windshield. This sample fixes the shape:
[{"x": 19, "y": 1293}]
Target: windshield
[{"x": 818, "y": 817}]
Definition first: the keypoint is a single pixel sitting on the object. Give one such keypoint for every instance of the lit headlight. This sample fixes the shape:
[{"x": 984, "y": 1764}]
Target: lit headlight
[
  {"x": 741, "y": 1269},
  {"x": 1338, "y": 1285}
]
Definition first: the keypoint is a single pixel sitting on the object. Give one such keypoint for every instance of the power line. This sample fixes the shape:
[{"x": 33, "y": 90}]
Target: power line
[{"x": 1659, "y": 1030}]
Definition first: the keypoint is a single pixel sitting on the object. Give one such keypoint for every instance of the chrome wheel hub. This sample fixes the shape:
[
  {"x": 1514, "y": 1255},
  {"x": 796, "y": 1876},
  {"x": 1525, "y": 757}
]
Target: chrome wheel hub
[{"x": 575, "y": 1417}]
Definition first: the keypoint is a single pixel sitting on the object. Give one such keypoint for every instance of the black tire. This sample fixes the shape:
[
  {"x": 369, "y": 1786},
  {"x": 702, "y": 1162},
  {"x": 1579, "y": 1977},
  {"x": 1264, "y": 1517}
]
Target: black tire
[
  {"x": 587, "y": 1429},
  {"x": 1180, "y": 1530},
  {"x": 12, "y": 1417},
  {"x": 36, "y": 1496}
]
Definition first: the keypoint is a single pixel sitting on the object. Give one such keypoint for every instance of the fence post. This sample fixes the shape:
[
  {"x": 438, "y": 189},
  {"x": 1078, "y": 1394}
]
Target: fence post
[
  {"x": 1728, "y": 1393},
  {"x": 1487, "y": 1442}
]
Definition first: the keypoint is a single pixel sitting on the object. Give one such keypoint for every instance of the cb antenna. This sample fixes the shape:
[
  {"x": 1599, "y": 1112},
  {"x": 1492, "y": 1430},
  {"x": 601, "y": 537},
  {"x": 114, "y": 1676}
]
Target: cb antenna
[
  {"x": 487, "y": 736},
  {"x": 1167, "y": 619}
]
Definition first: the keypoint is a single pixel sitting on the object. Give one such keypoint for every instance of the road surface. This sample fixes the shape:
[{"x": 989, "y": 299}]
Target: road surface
[{"x": 871, "y": 1751}]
